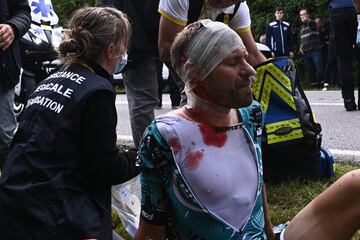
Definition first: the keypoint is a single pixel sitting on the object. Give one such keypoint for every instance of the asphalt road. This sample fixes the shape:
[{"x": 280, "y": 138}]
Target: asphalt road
[{"x": 340, "y": 129}]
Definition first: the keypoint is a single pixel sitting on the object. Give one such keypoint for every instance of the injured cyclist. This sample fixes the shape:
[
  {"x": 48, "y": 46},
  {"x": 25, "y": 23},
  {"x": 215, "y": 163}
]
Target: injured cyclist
[{"x": 202, "y": 170}]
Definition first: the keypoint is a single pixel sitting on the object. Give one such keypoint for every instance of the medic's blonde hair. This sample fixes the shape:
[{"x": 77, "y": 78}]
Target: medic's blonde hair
[{"x": 91, "y": 29}]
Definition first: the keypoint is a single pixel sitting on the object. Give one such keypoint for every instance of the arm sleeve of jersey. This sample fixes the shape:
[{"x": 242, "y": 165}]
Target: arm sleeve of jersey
[
  {"x": 241, "y": 21},
  {"x": 100, "y": 160},
  {"x": 175, "y": 11},
  {"x": 154, "y": 198}
]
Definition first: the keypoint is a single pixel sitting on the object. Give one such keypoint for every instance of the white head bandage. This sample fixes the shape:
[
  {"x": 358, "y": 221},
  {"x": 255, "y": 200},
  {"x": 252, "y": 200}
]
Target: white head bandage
[{"x": 211, "y": 44}]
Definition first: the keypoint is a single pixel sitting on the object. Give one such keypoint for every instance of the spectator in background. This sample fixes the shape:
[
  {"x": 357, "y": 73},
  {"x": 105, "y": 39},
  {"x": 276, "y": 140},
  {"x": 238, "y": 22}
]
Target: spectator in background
[
  {"x": 310, "y": 48},
  {"x": 14, "y": 23},
  {"x": 343, "y": 26},
  {"x": 279, "y": 35},
  {"x": 140, "y": 76}
]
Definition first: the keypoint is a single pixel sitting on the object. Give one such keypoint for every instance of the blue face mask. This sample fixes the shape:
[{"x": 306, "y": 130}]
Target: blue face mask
[{"x": 121, "y": 63}]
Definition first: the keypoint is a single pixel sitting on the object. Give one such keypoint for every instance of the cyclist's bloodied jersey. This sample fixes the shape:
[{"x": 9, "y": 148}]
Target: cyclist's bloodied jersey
[{"x": 203, "y": 182}]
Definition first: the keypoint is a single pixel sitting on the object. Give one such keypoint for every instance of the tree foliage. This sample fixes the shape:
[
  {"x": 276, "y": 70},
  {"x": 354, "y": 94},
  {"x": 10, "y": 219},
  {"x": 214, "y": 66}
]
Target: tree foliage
[{"x": 65, "y": 8}]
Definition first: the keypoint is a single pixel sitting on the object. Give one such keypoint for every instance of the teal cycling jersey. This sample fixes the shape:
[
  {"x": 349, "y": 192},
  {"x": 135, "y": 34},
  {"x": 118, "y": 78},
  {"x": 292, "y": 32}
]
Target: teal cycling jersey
[{"x": 204, "y": 182}]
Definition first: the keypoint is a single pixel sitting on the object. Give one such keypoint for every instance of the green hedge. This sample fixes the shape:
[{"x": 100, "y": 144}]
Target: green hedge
[{"x": 65, "y": 8}]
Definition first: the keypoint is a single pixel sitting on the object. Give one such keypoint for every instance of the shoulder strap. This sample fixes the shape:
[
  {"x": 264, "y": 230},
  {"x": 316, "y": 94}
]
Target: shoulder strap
[
  {"x": 194, "y": 11},
  {"x": 235, "y": 10},
  {"x": 252, "y": 118},
  {"x": 226, "y": 18}
]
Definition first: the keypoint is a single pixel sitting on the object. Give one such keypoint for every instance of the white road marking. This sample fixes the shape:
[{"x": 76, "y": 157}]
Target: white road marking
[
  {"x": 345, "y": 152},
  {"x": 124, "y": 102}
]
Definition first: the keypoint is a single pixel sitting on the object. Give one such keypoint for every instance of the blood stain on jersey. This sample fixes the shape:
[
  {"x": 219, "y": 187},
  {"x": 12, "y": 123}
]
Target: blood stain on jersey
[
  {"x": 212, "y": 138},
  {"x": 193, "y": 159},
  {"x": 175, "y": 144}
]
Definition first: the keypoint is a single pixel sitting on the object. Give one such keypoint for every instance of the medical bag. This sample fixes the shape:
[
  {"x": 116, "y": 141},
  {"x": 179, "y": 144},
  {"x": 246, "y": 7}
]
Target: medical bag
[{"x": 291, "y": 140}]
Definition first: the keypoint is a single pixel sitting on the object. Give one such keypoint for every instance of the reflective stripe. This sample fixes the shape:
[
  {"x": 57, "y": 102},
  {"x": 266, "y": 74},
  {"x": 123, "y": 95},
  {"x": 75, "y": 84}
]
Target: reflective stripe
[
  {"x": 293, "y": 126},
  {"x": 293, "y": 123},
  {"x": 272, "y": 79},
  {"x": 296, "y": 134}
]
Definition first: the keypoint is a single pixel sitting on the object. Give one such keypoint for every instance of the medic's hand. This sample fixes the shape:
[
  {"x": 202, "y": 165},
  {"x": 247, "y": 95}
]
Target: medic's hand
[{"x": 7, "y": 36}]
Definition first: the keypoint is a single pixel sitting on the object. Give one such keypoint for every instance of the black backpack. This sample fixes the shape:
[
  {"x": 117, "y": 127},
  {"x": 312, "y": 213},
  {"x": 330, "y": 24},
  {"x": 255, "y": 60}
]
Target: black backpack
[{"x": 291, "y": 141}]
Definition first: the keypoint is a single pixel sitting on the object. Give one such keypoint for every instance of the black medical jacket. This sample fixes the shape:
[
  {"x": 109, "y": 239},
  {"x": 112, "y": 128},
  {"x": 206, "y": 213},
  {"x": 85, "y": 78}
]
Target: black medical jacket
[{"x": 56, "y": 182}]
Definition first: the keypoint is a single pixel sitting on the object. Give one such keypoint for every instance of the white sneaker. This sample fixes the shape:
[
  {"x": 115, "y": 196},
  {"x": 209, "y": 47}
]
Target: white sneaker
[{"x": 325, "y": 87}]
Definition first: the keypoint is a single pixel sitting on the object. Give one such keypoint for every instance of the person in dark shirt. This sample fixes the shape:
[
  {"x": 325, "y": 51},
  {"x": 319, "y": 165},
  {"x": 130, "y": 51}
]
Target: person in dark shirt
[
  {"x": 56, "y": 182},
  {"x": 343, "y": 25},
  {"x": 279, "y": 35},
  {"x": 310, "y": 48},
  {"x": 14, "y": 23},
  {"x": 140, "y": 75}
]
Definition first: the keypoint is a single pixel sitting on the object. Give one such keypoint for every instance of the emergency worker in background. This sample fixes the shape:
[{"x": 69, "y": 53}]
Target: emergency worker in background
[
  {"x": 14, "y": 23},
  {"x": 56, "y": 182}
]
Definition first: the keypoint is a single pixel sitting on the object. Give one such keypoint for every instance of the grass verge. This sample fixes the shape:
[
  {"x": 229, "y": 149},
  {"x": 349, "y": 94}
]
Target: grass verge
[{"x": 285, "y": 199}]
